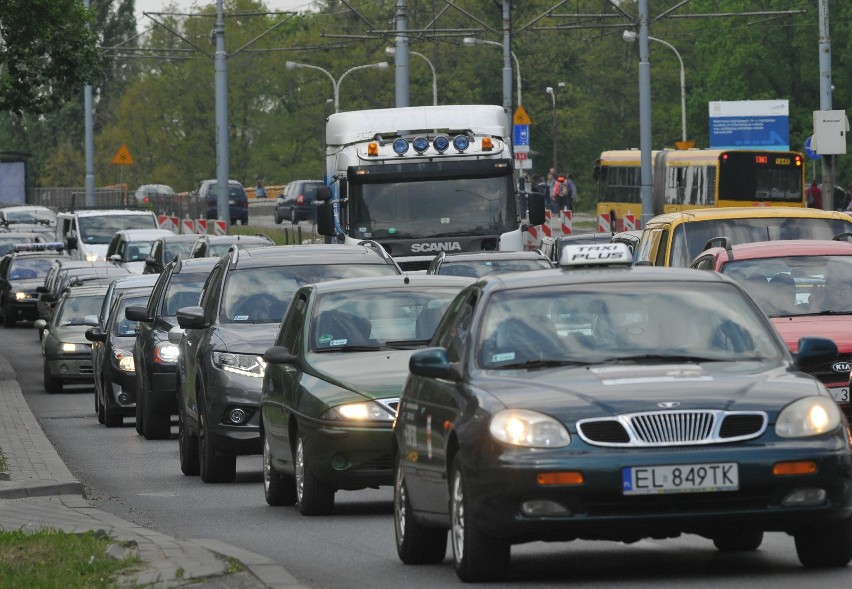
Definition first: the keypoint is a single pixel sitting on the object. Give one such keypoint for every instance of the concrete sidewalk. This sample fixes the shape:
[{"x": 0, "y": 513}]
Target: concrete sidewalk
[{"x": 38, "y": 491}]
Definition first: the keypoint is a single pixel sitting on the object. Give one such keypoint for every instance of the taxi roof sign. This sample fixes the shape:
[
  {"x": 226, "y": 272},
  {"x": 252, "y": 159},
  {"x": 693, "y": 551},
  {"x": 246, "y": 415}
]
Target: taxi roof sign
[{"x": 603, "y": 254}]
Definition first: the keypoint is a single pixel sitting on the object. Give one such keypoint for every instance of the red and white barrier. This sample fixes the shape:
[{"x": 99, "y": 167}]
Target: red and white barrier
[
  {"x": 220, "y": 227},
  {"x": 603, "y": 223},
  {"x": 567, "y": 219},
  {"x": 629, "y": 222},
  {"x": 187, "y": 226},
  {"x": 169, "y": 223},
  {"x": 201, "y": 226}
]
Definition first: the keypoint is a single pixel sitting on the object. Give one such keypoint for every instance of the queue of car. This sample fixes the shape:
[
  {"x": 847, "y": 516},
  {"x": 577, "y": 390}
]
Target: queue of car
[{"x": 506, "y": 397}]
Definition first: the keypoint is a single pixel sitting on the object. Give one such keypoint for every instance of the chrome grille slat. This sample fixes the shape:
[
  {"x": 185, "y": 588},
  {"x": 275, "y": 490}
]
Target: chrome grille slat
[{"x": 674, "y": 428}]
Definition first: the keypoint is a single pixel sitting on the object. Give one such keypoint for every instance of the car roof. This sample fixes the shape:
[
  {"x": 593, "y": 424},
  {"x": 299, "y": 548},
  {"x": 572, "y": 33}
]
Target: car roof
[
  {"x": 94, "y": 289},
  {"x": 309, "y": 254},
  {"x": 142, "y": 234},
  {"x": 171, "y": 236},
  {"x": 195, "y": 264},
  {"x": 386, "y": 282},
  {"x": 494, "y": 255},
  {"x": 784, "y": 247},
  {"x": 744, "y": 213},
  {"x": 218, "y": 239},
  {"x": 135, "y": 280},
  {"x": 108, "y": 212}
]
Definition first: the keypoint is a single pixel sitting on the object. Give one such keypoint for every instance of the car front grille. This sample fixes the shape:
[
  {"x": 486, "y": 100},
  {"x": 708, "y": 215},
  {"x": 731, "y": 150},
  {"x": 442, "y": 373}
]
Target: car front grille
[
  {"x": 672, "y": 428},
  {"x": 826, "y": 372}
]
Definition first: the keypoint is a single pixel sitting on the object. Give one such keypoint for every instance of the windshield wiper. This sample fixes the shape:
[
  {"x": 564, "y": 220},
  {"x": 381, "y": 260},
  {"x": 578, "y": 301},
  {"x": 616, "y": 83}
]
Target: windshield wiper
[
  {"x": 665, "y": 358},
  {"x": 542, "y": 364},
  {"x": 818, "y": 313},
  {"x": 362, "y": 348}
]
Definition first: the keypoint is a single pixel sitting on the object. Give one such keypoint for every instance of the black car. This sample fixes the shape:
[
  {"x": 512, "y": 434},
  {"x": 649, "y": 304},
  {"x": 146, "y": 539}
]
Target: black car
[
  {"x": 333, "y": 381},
  {"x": 115, "y": 372},
  {"x": 8, "y": 240},
  {"x": 476, "y": 264},
  {"x": 298, "y": 201},
  {"x": 67, "y": 272},
  {"x": 616, "y": 403},
  {"x": 167, "y": 249},
  {"x": 99, "y": 351},
  {"x": 238, "y": 207},
  {"x": 179, "y": 285},
  {"x": 218, "y": 245},
  {"x": 22, "y": 272},
  {"x": 220, "y": 363}
]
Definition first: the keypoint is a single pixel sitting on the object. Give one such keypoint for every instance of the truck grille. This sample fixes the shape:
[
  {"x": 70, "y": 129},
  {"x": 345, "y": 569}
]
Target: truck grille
[{"x": 672, "y": 428}]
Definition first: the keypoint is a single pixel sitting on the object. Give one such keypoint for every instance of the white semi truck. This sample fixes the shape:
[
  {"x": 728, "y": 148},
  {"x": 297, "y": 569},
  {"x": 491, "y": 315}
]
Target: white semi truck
[{"x": 423, "y": 180}]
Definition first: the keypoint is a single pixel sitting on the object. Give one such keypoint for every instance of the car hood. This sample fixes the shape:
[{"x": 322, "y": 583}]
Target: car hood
[
  {"x": 72, "y": 334},
  {"x": 374, "y": 375},
  {"x": 607, "y": 390},
  {"x": 136, "y": 267},
  {"x": 249, "y": 338},
  {"x": 835, "y": 327},
  {"x": 25, "y": 285},
  {"x": 99, "y": 249}
]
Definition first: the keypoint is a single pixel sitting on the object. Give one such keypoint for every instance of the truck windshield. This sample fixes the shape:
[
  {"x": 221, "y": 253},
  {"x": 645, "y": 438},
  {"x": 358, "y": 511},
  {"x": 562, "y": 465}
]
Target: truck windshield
[{"x": 433, "y": 208}]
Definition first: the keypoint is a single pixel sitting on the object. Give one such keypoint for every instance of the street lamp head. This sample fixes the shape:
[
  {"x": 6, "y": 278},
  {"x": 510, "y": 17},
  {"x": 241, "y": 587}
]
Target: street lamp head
[
  {"x": 470, "y": 41},
  {"x": 290, "y": 65},
  {"x": 382, "y": 65},
  {"x": 549, "y": 90},
  {"x": 629, "y": 36},
  {"x": 390, "y": 51}
]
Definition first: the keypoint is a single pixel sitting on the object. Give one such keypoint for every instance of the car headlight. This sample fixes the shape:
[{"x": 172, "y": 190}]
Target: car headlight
[
  {"x": 91, "y": 257},
  {"x": 70, "y": 348},
  {"x": 530, "y": 429},
  {"x": 124, "y": 358},
  {"x": 166, "y": 353},
  {"x": 245, "y": 364},
  {"x": 811, "y": 416},
  {"x": 364, "y": 411},
  {"x": 21, "y": 296}
]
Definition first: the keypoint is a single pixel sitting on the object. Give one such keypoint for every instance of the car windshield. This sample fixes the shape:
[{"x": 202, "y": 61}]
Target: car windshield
[
  {"x": 477, "y": 268},
  {"x": 74, "y": 308},
  {"x": 371, "y": 319},
  {"x": 690, "y": 239},
  {"x": 30, "y": 216},
  {"x": 261, "y": 295},
  {"x": 29, "y": 268},
  {"x": 7, "y": 243},
  {"x": 796, "y": 285},
  {"x": 137, "y": 251},
  {"x": 100, "y": 229},
  {"x": 619, "y": 322},
  {"x": 183, "y": 291},
  {"x": 124, "y": 327},
  {"x": 177, "y": 248}
]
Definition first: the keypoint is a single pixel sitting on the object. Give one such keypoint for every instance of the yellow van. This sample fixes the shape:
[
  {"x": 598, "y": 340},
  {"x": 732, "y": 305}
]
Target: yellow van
[{"x": 675, "y": 239}]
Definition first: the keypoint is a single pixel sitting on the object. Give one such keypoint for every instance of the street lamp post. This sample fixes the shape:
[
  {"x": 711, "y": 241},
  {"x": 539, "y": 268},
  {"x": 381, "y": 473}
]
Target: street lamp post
[
  {"x": 552, "y": 92},
  {"x": 473, "y": 41},
  {"x": 336, "y": 83},
  {"x": 391, "y": 52},
  {"x": 630, "y": 37}
]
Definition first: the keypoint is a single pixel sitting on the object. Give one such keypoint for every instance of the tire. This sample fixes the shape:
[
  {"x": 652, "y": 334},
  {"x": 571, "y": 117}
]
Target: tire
[
  {"x": 8, "y": 319},
  {"x": 278, "y": 488},
  {"x": 313, "y": 496},
  {"x": 187, "y": 447},
  {"x": 111, "y": 417},
  {"x": 826, "y": 547},
  {"x": 739, "y": 542},
  {"x": 155, "y": 426},
  {"x": 415, "y": 544},
  {"x": 101, "y": 412},
  {"x": 213, "y": 467},
  {"x": 278, "y": 218},
  {"x": 53, "y": 386},
  {"x": 140, "y": 399},
  {"x": 476, "y": 557}
]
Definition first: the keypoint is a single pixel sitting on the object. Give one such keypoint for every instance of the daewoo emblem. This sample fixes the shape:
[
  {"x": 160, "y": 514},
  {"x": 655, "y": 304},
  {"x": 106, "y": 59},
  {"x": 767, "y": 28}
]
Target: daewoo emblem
[
  {"x": 842, "y": 366},
  {"x": 668, "y": 405}
]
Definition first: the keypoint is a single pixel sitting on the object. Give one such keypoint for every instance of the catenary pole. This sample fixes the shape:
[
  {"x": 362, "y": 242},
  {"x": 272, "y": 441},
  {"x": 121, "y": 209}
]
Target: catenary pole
[
  {"x": 90, "y": 141},
  {"x": 222, "y": 163},
  {"x": 401, "y": 54},
  {"x": 646, "y": 193},
  {"x": 825, "y": 101}
]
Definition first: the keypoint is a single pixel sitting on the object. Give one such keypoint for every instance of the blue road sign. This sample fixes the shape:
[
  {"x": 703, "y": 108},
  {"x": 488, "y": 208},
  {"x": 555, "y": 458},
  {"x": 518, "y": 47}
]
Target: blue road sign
[
  {"x": 522, "y": 135},
  {"x": 809, "y": 150}
]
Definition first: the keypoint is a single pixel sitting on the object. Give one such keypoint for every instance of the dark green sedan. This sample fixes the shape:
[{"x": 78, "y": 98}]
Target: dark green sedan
[
  {"x": 333, "y": 380},
  {"x": 615, "y": 403}
]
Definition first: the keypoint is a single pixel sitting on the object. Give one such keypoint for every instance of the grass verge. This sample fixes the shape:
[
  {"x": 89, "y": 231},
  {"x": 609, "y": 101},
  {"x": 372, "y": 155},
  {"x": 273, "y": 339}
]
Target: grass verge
[
  {"x": 2, "y": 461},
  {"x": 52, "y": 559}
]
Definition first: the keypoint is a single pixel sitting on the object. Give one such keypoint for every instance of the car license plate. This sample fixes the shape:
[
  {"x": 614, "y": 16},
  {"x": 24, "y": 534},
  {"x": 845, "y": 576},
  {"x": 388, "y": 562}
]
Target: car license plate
[
  {"x": 680, "y": 478},
  {"x": 840, "y": 394},
  {"x": 232, "y": 202}
]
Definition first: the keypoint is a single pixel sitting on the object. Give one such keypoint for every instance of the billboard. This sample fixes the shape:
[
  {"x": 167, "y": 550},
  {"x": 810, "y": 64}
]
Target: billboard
[
  {"x": 13, "y": 182},
  {"x": 750, "y": 124}
]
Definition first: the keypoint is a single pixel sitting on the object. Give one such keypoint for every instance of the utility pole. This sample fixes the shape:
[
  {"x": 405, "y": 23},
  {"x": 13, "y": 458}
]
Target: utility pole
[
  {"x": 825, "y": 101},
  {"x": 646, "y": 192},
  {"x": 222, "y": 162},
  {"x": 507, "y": 69},
  {"x": 90, "y": 141},
  {"x": 401, "y": 54}
]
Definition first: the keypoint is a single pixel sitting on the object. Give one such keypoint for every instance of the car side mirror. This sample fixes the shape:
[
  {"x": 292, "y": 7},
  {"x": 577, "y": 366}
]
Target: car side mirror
[
  {"x": 191, "y": 318},
  {"x": 40, "y": 324},
  {"x": 137, "y": 313},
  {"x": 42, "y": 289},
  {"x": 279, "y": 355},
  {"x": 175, "y": 335},
  {"x": 95, "y": 334},
  {"x": 433, "y": 363},
  {"x": 815, "y": 351},
  {"x": 115, "y": 258}
]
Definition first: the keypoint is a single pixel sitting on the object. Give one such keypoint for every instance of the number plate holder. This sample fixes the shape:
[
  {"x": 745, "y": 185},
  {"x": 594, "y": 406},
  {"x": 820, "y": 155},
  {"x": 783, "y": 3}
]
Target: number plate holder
[
  {"x": 680, "y": 478},
  {"x": 840, "y": 394}
]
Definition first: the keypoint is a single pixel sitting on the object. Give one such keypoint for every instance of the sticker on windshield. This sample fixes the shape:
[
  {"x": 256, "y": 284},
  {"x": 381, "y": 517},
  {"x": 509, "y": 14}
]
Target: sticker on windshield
[
  {"x": 503, "y": 357},
  {"x": 338, "y": 342},
  {"x": 325, "y": 339},
  {"x": 240, "y": 317}
]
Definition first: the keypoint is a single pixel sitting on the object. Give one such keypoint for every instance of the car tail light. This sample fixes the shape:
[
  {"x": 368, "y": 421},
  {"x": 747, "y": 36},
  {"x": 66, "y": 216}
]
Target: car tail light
[{"x": 300, "y": 200}]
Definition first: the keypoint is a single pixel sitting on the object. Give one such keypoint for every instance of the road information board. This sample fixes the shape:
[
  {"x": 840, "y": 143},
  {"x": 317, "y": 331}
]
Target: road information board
[{"x": 750, "y": 124}]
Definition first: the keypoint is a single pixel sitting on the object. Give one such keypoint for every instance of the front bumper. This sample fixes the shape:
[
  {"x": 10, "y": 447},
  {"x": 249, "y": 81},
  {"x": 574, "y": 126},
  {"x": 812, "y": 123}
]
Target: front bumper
[
  {"x": 162, "y": 392},
  {"x": 22, "y": 310},
  {"x": 350, "y": 457},
  {"x": 500, "y": 486},
  {"x": 72, "y": 369},
  {"x": 225, "y": 391}
]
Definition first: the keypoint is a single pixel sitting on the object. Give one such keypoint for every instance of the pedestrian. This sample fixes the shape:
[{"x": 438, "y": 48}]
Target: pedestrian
[
  {"x": 540, "y": 186},
  {"x": 569, "y": 179},
  {"x": 561, "y": 194},
  {"x": 524, "y": 188},
  {"x": 813, "y": 196},
  {"x": 260, "y": 191}
]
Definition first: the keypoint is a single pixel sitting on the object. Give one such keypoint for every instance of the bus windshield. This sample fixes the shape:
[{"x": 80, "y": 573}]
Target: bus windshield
[
  {"x": 433, "y": 208},
  {"x": 756, "y": 176}
]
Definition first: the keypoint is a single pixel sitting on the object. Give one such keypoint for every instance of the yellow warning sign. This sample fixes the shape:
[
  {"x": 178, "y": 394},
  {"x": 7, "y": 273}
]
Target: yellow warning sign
[
  {"x": 521, "y": 117},
  {"x": 123, "y": 157}
]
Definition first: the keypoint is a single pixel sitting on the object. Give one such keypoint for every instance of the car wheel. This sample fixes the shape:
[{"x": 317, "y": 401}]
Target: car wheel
[
  {"x": 112, "y": 418},
  {"x": 140, "y": 399},
  {"x": 187, "y": 447},
  {"x": 826, "y": 547},
  {"x": 155, "y": 426},
  {"x": 52, "y": 385},
  {"x": 477, "y": 557},
  {"x": 213, "y": 467},
  {"x": 278, "y": 218},
  {"x": 293, "y": 218},
  {"x": 278, "y": 488},
  {"x": 313, "y": 496},
  {"x": 8, "y": 319},
  {"x": 101, "y": 412},
  {"x": 739, "y": 542},
  {"x": 415, "y": 543}
]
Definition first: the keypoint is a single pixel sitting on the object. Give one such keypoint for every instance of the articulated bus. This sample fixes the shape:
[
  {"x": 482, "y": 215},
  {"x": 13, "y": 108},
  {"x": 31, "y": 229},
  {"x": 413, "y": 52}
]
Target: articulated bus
[{"x": 695, "y": 178}]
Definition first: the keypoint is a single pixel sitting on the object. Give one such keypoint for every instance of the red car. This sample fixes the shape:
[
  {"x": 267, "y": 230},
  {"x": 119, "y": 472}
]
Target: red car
[{"x": 805, "y": 287}]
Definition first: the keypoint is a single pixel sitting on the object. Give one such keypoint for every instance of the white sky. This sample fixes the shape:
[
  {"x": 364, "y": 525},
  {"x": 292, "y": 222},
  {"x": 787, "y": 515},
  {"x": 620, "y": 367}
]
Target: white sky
[{"x": 187, "y": 6}]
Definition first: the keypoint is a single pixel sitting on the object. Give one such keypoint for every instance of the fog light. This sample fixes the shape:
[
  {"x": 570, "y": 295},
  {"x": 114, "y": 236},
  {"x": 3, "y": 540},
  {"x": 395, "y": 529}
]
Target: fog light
[
  {"x": 339, "y": 462},
  {"x": 805, "y": 498},
  {"x": 543, "y": 508},
  {"x": 238, "y": 416},
  {"x": 123, "y": 399},
  {"x": 63, "y": 369}
]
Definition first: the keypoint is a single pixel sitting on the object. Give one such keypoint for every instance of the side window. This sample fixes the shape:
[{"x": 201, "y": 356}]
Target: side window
[
  {"x": 210, "y": 292},
  {"x": 662, "y": 248},
  {"x": 454, "y": 333},
  {"x": 155, "y": 301},
  {"x": 705, "y": 263},
  {"x": 294, "y": 323}
]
